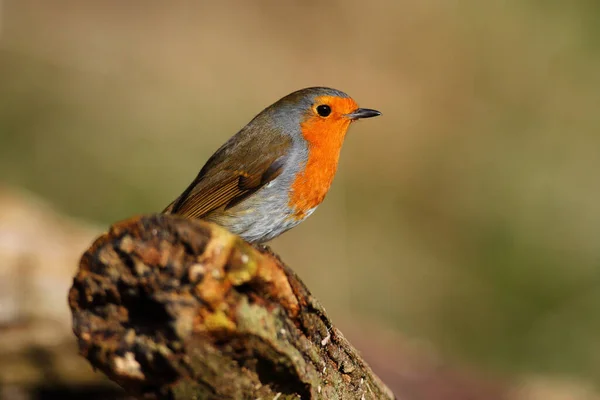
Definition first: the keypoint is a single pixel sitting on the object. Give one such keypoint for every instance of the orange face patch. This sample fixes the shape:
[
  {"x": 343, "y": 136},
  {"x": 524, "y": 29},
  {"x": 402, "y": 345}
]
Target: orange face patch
[{"x": 325, "y": 135}]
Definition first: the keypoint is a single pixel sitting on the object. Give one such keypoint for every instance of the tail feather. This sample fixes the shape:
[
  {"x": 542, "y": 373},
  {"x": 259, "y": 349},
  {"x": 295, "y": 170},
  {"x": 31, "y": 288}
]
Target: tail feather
[{"x": 169, "y": 208}]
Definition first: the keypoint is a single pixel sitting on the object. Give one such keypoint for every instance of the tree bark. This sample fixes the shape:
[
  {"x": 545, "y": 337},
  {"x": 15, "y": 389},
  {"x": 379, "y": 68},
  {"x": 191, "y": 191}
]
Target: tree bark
[{"x": 171, "y": 308}]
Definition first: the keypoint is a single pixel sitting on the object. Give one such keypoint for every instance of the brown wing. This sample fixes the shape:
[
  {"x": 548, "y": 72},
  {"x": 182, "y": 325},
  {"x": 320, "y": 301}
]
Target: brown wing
[{"x": 234, "y": 172}]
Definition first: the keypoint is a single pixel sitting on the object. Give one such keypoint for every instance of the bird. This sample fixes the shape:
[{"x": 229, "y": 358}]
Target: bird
[{"x": 274, "y": 172}]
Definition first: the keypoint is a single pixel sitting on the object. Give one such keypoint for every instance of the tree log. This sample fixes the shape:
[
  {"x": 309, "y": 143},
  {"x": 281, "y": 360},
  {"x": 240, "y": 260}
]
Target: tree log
[{"x": 171, "y": 308}]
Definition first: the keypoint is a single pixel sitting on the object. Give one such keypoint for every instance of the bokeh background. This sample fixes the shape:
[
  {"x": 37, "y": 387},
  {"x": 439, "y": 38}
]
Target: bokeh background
[{"x": 463, "y": 224}]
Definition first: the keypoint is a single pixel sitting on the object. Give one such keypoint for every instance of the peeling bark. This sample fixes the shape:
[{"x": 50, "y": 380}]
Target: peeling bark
[{"x": 171, "y": 308}]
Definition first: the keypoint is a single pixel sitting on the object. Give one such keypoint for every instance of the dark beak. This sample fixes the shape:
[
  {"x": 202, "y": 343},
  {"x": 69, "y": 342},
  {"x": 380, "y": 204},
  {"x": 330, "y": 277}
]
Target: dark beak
[{"x": 363, "y": 113}]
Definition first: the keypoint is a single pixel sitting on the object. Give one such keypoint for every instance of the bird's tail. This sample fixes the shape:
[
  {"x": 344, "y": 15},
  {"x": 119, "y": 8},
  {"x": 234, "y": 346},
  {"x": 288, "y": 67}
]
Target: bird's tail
[{"x": 169, "y": 208}]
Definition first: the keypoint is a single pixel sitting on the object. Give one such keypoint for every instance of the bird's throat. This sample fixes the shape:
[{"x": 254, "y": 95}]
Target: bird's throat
[{"x": 312, "y": 184}]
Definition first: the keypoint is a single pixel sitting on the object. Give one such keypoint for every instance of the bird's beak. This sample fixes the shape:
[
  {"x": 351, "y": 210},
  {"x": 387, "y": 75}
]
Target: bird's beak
[{"x": 362, "y": 113}]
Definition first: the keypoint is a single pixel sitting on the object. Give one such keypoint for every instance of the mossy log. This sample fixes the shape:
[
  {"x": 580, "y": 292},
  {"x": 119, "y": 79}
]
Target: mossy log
[{"x": 171, "y": 308}]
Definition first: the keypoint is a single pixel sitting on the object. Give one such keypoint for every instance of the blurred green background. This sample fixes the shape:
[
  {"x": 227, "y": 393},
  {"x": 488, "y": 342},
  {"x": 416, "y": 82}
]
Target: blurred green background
[{"x": 468, "y": 215}]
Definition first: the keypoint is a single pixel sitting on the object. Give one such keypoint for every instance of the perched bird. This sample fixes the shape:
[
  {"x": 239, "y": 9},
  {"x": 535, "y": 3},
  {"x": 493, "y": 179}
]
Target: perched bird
[{"x": 276, "y": 170}]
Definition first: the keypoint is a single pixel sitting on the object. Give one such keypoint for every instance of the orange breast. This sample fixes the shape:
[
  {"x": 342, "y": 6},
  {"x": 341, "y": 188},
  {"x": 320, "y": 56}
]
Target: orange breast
[{"x": 324, "y": 138}]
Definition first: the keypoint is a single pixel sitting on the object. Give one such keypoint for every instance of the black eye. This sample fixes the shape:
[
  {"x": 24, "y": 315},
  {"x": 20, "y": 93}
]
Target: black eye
[{"x": 323, "y": 110}]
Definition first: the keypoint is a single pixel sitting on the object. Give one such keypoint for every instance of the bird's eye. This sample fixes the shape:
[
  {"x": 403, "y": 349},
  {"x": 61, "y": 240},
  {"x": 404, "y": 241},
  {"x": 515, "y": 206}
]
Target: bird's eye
[{"x": 323, "y": 110}]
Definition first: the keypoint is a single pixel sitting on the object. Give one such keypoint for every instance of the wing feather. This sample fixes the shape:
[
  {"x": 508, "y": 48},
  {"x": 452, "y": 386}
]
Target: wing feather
[{"x": 238, "y": 169}]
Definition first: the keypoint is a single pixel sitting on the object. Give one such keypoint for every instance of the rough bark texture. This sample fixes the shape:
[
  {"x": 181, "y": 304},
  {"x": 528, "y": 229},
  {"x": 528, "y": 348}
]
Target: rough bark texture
[{"x": 171, "y": 308}]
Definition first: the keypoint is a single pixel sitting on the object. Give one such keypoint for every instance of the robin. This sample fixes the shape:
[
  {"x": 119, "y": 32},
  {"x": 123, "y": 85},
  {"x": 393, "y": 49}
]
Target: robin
[{"x": 274, "y": 172}]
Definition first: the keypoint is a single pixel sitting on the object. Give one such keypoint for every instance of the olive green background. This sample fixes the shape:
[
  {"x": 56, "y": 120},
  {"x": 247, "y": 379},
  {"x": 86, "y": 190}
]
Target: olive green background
[{"x": 467, "y": 215}]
